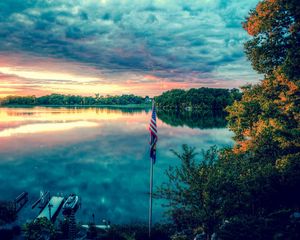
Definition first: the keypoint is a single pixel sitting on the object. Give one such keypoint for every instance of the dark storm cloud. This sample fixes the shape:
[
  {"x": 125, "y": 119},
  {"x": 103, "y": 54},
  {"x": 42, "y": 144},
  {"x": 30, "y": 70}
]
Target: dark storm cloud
[{"x": 173, "y": 37}]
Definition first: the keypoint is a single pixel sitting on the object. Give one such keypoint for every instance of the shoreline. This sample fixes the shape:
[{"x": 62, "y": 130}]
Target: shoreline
[{"x": 81, "y": 106}]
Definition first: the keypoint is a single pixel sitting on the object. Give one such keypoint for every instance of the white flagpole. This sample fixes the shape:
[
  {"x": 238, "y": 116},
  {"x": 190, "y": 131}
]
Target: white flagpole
[{"x": 150, "y": 197}]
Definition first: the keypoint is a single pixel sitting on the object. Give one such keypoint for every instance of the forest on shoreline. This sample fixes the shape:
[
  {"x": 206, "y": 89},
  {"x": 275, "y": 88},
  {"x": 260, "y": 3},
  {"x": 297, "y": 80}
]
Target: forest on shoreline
[
  {"x": 204, "y": 100},
  {"x": 73, "y": 100},
  {"x": 198, "y": 99}
]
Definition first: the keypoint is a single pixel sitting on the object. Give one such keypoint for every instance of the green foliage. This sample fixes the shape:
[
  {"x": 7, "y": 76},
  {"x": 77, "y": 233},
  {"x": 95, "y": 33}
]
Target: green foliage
[
  {"x": 258, "y": 179},
  {"x": 275, "y": 26},
  {"x": 266, "y": 120},
  {"x": 179, "y": 237},
  {"x": 252, "y": 190},
  {"x": 189, "y": 190},
  {"x": 268, "y": 110},
  {"x": 65, "y": 100},
  {"x": 18, "y": 100},
  {"x": 246, "y": 191},
  {"x": 139, "y": 232},
  {"x": 279, "y": 225},
  {"x": 205, "y": 100},
  {"x": 41, "y": 228},
  {"x": 243, "y": 227},
  {"x": 8, "y": 212}
]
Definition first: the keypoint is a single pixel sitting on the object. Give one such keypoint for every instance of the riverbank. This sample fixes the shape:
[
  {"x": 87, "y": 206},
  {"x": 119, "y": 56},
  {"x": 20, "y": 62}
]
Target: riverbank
[{"x": 139, "y": 106}]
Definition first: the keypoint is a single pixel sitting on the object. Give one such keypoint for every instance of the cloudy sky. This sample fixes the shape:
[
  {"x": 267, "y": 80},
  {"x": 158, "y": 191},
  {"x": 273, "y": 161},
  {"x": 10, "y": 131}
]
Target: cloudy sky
[{"x": 121, "y": 46}]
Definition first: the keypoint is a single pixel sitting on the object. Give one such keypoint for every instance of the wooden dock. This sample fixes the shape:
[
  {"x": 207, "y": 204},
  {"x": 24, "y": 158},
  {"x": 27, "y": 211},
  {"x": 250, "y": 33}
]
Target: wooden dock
[
  {"x": 42, "y": 201},
  {"x": 52, "y": 208},
  {"x": 20, "y": 201}
]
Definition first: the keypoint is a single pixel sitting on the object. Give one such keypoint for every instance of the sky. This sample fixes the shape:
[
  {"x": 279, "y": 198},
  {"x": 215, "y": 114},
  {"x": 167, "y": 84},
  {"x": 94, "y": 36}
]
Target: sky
[{"x": 118, "y": 47}]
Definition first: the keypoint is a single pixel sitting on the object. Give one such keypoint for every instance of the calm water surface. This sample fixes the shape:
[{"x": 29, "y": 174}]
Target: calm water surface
[{"x": 100, "y": 154}]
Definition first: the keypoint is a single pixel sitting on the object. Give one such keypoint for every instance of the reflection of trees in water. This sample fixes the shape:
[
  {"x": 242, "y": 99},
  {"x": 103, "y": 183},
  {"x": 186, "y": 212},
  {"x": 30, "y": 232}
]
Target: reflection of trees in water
[
  {"x": 112, "y": 109},
  {"x": 193, "y": 119},
  {"x": 80, "y": 109}
]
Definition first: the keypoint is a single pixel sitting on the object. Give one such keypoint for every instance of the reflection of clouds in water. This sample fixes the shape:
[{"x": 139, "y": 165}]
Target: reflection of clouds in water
[
  {"x": 45, "y": 127},
  {"x": 108, "y": 166},
  {"x": 38, "y": 114}
]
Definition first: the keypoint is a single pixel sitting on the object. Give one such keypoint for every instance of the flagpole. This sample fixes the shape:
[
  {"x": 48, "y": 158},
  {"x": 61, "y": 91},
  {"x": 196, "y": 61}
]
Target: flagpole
[
  {"x": 150, "y": 197},
  {"x": 153, "y": 140}
]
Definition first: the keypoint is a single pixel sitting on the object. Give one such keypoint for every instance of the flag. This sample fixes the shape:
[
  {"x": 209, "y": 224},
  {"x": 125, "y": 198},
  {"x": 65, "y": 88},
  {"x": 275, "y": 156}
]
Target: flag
[{"x": 153, "y": 134}]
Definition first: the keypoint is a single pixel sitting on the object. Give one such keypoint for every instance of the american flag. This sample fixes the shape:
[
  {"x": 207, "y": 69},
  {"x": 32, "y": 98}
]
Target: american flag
[{"x": 153, "y": 134}]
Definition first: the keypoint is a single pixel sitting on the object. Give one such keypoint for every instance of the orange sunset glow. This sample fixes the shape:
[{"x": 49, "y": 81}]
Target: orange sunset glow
[
  {"x": 83, "y": 52},
  {"x": 46, "y": 77},
  {"x": 50, "y": 77}
]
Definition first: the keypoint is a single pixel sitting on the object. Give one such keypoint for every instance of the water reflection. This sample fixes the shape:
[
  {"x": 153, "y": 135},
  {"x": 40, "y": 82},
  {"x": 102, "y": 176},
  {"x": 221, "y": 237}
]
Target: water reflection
[
  {"x": 41, "y": 120},
  {"x": 193, "y": 119},
  {"x": 100, "y": 154},
  {"x": 45, "y": 127},
  {"x": 61, "y": 114}
]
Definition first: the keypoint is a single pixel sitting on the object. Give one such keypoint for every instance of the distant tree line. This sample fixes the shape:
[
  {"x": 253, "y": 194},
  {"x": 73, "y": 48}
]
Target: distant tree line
[
  {"x": 65, "y": 100},
  {"x": 201, "y": 99}
]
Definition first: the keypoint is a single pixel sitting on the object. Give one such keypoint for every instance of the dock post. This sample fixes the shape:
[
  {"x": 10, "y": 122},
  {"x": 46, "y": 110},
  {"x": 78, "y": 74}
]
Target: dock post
[
  {"x": 50, "y": 206},
  {"x": 72, "y": 225}
]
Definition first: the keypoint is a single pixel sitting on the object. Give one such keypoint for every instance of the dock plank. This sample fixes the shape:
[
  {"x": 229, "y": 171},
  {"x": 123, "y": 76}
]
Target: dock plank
[{"x": 56, "y": 203}]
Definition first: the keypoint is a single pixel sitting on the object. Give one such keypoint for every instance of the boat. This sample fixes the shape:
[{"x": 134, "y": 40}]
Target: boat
[{"x": 71, "y": 204}]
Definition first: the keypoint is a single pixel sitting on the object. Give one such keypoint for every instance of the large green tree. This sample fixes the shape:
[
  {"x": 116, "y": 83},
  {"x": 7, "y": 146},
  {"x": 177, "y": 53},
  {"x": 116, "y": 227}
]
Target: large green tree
[
  {"x": 274, "y": 26},
  {"x": 267, "y": 118},
  {"x": 41, "y": 228},
  {"x": 252, "y": 190},
  {"x": 190, "y": 191},
  {"x": 266, "y": 121}
]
